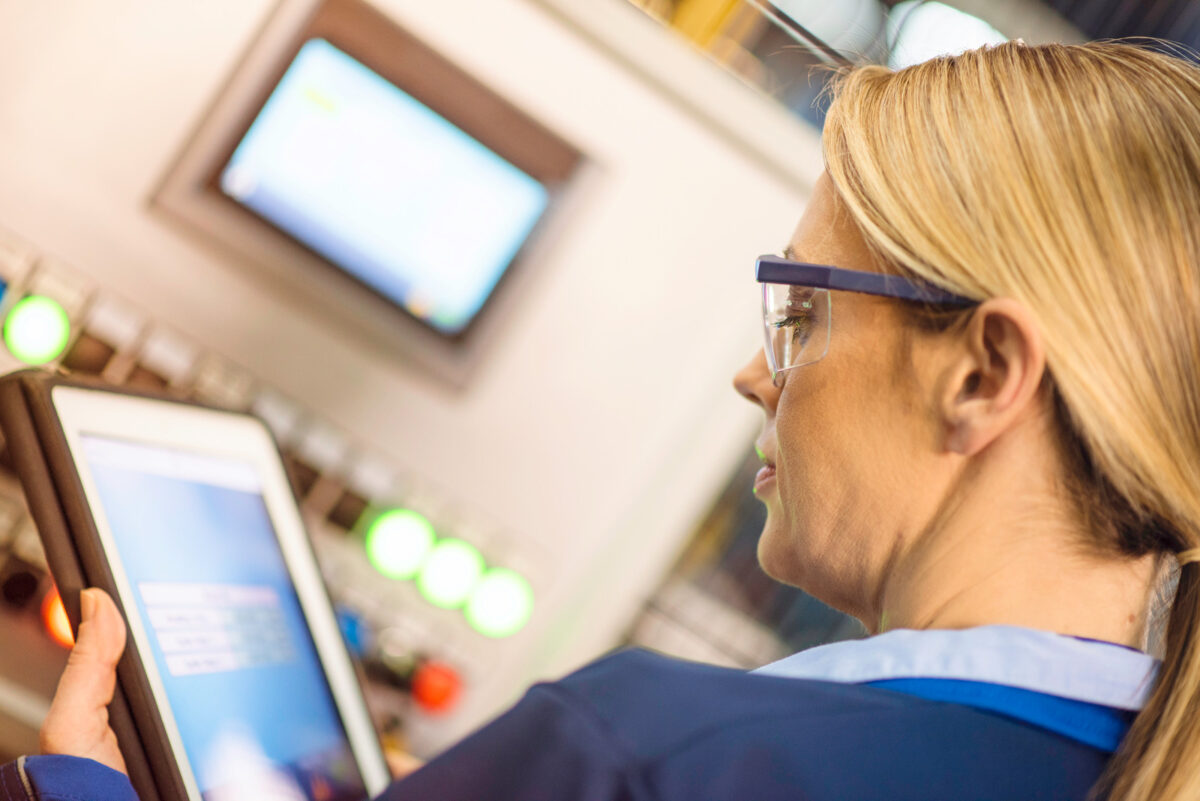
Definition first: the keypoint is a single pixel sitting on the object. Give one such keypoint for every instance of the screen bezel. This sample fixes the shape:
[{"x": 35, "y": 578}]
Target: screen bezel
[
  {"x": 191, "y": 193},
  {"x": 223, "y": 435}
]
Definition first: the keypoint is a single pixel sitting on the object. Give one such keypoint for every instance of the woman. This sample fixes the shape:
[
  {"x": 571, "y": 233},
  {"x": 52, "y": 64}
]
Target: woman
[{"x": 982, "y": 438}]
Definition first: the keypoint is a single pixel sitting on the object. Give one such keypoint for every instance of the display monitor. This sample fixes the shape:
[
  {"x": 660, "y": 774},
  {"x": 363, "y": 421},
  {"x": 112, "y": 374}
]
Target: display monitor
[
  {"x": 384, "y": 187},
  {"x": 368, "y": 179}
]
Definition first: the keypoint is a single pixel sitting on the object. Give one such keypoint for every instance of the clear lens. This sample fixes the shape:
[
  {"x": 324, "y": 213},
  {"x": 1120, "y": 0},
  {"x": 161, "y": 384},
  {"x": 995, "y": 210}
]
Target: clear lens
[{"x": 797, "y": 322}]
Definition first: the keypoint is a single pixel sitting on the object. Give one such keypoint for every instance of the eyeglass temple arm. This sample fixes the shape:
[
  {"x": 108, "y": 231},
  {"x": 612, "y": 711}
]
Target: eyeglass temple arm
[{"x": 776, "y": 270}]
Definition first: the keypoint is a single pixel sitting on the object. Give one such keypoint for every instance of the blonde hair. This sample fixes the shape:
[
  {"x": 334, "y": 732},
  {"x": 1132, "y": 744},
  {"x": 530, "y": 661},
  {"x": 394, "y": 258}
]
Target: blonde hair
[{"x": 1067, "y": 177}]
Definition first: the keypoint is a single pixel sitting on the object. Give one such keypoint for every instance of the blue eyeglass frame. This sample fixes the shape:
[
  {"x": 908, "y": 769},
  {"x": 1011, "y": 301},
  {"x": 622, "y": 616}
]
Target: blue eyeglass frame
[{"x": 779, "y": 270}]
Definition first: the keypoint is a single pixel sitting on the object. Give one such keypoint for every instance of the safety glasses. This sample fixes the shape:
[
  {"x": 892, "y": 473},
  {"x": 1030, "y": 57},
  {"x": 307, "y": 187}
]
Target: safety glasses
[{"x": 798, "y": 308}]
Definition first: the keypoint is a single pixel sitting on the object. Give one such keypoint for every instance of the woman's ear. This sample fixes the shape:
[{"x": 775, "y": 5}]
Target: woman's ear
[{"x": 993, "y": 377}]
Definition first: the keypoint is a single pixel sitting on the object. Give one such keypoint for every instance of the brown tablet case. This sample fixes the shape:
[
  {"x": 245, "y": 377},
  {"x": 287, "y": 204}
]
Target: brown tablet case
[{"x": 38, "y": 448}]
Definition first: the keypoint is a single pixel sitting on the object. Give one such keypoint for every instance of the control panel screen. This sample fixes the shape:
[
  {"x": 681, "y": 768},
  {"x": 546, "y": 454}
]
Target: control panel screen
[{"x": 384, "y": 188}]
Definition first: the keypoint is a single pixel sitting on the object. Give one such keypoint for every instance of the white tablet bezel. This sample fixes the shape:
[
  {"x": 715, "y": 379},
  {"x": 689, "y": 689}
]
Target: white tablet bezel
[{"x": 223, "y": 435}]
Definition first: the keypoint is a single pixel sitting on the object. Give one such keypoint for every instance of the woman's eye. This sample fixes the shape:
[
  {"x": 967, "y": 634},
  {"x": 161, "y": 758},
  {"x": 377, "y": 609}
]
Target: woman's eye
[
  {"x": 800, "y": 324},
  {"x": 794, "y": 319},
  {"x": 798, "y": 312}
]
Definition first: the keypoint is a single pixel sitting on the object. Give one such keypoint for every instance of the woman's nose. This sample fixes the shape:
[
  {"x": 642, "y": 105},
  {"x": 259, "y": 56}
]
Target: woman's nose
[{"x": 753, "y": 382}]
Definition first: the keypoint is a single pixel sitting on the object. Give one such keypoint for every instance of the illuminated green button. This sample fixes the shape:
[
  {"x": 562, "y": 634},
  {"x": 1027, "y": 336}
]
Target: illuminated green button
[
  {"x": 36, "y": 329},
  {"x": 501, "y": 603},
  {"x": 450, "y": 573},
  {"x": 398, "y": 542}
]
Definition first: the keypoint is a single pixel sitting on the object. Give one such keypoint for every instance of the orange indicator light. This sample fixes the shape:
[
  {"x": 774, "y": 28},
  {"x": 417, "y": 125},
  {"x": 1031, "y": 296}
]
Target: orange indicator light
[{"x": 54, "y": 618}]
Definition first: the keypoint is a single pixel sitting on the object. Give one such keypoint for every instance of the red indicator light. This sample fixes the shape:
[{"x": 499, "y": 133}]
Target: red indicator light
[
  {"x": 54, "y": 618},
  {"x": 436, "y": 686}
]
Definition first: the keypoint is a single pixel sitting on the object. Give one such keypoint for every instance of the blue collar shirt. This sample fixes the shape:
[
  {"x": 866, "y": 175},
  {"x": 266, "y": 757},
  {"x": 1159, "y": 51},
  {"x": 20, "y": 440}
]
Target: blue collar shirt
[
  {"x": 1085, "y": 689},
  {"x": 995, "y": 713}
]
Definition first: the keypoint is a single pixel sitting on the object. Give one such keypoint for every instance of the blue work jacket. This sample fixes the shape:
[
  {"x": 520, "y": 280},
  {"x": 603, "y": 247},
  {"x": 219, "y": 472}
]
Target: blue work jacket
[{"x": 1000, "y": 713}]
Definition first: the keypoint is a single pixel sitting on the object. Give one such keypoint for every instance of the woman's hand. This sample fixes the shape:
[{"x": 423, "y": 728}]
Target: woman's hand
[{"x": 77, "y": 724}]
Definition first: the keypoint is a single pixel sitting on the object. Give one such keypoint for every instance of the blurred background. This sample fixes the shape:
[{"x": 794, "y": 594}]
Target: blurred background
[{"x": 484, "y": 268}]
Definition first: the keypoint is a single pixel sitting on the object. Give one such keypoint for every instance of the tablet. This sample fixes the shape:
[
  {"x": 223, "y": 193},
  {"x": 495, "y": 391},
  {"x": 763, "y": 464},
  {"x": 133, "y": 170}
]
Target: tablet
[{"x": 236, "y": 679}]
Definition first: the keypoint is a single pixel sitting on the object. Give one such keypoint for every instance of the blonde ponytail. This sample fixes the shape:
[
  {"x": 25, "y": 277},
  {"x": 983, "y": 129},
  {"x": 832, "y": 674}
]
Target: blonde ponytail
[{"x": 1068, "y": 177}]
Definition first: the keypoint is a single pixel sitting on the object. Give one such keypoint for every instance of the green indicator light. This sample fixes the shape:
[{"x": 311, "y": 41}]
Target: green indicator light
[
  {"x": 450, "y": 573},
  {"x": 398, "y": 542},
  {"x": 36, "y": 329},
  {"x": 501, "y": 604}
]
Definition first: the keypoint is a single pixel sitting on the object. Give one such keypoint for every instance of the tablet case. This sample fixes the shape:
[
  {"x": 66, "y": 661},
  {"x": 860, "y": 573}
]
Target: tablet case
[{"x": 38, "y": 449}]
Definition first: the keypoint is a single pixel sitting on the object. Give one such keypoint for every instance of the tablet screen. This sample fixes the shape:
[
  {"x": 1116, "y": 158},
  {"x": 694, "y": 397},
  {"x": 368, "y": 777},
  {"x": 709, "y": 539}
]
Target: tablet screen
[{"x": 228, "y": 635}]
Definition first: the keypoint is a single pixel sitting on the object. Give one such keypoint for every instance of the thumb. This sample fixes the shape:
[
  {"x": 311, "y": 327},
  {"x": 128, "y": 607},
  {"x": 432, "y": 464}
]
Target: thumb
[
  {"x": 77, "y": 723},
  {"x": 90, "y": 675}
]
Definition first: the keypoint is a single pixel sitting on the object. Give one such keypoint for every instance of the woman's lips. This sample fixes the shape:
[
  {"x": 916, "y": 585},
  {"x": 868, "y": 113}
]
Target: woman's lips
[{"x": 764, "y": 477}]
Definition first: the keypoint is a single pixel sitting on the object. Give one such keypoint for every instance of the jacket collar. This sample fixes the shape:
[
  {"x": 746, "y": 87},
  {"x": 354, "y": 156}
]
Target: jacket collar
[{"x": 1068, "y": 667}]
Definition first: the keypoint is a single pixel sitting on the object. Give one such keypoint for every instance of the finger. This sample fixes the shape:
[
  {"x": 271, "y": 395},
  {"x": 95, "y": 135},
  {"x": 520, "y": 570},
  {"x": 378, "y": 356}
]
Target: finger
[
  {"x": 90, "y": 676},
  {"x": 77, "y": 723}
]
